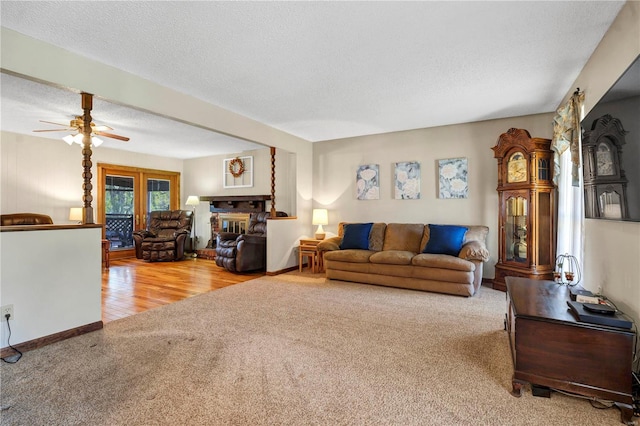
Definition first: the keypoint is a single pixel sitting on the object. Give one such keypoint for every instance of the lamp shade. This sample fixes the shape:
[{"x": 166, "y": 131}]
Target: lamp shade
[
  {"x": 192, "y": 200},
  {"x": 75, "y": 214},
  {"x": 320, "y": 217}
]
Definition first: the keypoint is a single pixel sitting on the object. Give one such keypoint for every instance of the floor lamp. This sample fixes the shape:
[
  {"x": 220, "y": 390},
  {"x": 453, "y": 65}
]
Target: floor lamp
[{"x": 193, "y": 200}]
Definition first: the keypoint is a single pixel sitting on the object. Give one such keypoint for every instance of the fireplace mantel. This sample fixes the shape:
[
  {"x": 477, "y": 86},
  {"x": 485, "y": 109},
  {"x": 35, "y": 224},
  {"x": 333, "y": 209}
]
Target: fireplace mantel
[{"x": 237, "y": 203}]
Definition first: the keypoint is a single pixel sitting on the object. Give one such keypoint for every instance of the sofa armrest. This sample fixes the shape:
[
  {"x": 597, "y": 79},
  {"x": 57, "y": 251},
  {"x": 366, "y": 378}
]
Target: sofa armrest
[
  {"x": 474, "y": 250},
  {"x": 330, "y": 244}
]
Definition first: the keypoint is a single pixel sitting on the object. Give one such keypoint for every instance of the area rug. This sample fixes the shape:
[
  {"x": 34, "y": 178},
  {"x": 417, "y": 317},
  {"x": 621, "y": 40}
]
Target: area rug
[{"x": 293, "y": 349}]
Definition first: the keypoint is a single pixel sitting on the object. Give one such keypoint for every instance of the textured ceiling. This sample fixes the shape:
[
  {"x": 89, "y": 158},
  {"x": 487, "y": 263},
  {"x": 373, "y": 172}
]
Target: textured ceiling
[{"x": 326, "y": 70}]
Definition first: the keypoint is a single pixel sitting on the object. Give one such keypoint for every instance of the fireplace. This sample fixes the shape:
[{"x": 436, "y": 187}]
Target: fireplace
[
  {"x": 233, "y": 222},
  {"x": 232, "y": 213}
]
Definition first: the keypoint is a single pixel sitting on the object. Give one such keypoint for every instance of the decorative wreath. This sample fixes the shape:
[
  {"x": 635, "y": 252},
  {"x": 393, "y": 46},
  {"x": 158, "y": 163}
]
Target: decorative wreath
[{"x": 232, "y": 167}]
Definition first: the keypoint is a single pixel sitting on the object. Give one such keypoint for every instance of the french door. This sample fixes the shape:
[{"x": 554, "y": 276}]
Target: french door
[{"x": 126, "y": 195}]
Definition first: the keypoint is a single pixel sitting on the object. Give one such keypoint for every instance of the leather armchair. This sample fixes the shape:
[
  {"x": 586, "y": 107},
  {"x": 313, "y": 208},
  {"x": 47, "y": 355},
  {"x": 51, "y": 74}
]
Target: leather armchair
[
  {"x": 19, "y": 219},
  {"x": 245, "y": 252},
  {"x": 165, "y": 237}
]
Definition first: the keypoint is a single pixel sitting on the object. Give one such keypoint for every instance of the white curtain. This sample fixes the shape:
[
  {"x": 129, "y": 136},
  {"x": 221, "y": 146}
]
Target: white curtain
[
  {"x": 568, "y": 178},
  {"x": 570, "y": 211}
]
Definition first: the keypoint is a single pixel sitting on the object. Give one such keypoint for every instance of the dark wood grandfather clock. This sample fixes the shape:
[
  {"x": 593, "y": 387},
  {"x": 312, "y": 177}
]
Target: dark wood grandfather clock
[{"x": 526, "y": 215}]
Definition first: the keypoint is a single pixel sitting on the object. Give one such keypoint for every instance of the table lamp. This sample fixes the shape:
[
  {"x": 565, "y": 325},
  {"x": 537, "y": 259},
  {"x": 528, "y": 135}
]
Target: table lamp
[
  {"x": 320, "y": 217},
  {"x": 75, "y": 214}
]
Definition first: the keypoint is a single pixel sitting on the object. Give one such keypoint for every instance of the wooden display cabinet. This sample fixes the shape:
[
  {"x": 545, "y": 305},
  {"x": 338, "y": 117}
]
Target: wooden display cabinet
[
  {"x": 550, "y": 348},
  {"x": 526, "y": 222}
]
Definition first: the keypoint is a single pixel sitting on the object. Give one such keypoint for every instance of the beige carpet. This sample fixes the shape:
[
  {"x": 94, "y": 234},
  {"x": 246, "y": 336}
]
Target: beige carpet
[{"x": 289, "y": 350}]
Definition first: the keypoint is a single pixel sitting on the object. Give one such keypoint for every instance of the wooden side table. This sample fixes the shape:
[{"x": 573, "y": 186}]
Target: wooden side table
[{"x": 309, "y": 249}]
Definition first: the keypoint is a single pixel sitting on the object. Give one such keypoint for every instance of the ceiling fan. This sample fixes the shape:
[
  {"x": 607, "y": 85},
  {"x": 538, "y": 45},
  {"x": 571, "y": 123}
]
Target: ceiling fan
[{"x": 77, "y": 125}]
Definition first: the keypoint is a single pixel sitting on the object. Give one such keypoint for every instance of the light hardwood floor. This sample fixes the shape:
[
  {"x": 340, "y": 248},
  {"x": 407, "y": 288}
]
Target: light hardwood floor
[{"x": 131, "y": 286}]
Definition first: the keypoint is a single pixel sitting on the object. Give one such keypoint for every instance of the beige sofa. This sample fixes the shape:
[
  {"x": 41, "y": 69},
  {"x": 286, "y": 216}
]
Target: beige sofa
[{"x": 395, "y": 258}]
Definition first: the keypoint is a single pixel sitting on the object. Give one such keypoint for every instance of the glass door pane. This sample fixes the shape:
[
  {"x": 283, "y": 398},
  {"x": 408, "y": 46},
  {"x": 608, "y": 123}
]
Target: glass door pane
[
  {"x": 516, "y": 230},
  {"x": 119, "y": 210},
  {"x": 158, "y": 194}
]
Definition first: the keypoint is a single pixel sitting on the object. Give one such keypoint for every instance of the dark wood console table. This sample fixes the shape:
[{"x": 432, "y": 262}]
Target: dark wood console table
[{"x": 550, "y": 348}]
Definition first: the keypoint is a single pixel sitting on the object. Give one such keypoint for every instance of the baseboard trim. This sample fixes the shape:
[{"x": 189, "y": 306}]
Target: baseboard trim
[
  {"x": 52, "y": 338},
  {"x": 487, "y": 282},
  {"x": 282, "y": 271}
]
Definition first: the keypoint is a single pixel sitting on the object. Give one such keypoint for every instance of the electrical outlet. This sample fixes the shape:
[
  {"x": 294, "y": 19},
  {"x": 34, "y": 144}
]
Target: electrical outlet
[
  {"x": 6, "y": 309},
  {"x": 599, "y": 290}
]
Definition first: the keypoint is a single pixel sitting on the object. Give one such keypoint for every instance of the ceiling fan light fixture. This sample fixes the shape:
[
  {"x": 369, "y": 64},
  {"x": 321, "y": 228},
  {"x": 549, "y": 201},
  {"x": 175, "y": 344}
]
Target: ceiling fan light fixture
[{"x": 79, "y": 137}]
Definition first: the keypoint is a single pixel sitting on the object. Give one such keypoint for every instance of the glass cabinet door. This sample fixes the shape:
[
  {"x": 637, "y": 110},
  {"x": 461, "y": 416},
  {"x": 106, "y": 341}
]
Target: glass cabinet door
[{"x": 516, "y": 219}]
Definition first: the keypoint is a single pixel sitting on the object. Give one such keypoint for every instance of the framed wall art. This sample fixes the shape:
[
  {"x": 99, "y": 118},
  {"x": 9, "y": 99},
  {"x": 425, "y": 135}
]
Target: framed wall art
[
  {"x": 368, "y": 182},
  {"x": 452, "y": 178},
  {"x": 407, "y": 180},
  {"x": 237, "y": 172}
]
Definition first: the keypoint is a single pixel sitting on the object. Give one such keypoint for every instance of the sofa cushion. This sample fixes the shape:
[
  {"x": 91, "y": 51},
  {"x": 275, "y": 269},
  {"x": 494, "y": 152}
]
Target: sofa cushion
[
  {"x": 356, "y": 236},
  {"x": 403, "y": 237},
  {"x": 445, "y": 239},
  {"x": 392, "y": 257},
  {"x": 376, "y": 235},
  {"x": 356, "y": 256},
  {"x": 443, "y": 261}
]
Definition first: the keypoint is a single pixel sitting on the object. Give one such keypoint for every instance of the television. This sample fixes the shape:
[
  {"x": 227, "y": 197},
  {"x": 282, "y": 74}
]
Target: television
[{"x": 611, "y": 151}]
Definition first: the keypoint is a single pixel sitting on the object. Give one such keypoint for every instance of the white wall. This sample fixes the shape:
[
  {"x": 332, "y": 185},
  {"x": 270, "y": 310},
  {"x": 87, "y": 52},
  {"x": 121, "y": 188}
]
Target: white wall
[
  {"x": 53, "y": 280},
  {"x": 40, "y": 175},
  {"x": 336, "y": 162},
  {"x": 612, "y": 248}
]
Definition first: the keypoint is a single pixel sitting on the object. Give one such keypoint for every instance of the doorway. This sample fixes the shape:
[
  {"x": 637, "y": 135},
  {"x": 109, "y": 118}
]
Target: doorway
[{"x": 126, "y": 195}]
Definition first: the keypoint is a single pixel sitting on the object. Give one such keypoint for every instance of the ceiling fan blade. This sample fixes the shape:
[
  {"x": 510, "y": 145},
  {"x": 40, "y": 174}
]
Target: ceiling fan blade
[
  {"x": 111, "y": 135},
  {"x": 101, "y": 128},
  {"x": 69, "y": 129},
  {"x": 51, "y": 122}
]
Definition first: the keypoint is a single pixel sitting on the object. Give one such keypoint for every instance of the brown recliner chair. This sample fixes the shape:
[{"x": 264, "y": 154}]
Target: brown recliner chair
[
  {"x": 245, "y": 252},
  {"x": 19, "y": 219},
  {"x": 165, "y": 236}
]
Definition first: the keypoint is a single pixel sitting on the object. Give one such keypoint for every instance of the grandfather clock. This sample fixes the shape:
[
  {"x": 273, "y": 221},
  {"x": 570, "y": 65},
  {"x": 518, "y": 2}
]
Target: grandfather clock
[
  {"x": 526, "y": 194},
  {"x": 605, "y": 183}
]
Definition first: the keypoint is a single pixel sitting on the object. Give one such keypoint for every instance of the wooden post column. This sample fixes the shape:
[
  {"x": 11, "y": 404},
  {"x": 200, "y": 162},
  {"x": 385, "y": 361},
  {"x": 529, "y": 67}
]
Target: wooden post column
[
  {"x": 273, "y": 182},
  {"x": 87, "y": 186}
]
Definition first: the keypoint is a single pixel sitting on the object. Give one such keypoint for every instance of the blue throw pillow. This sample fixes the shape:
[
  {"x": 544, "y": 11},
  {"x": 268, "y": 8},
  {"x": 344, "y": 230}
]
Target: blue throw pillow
[
  {"x": 356, "y": 236},
  {"x": 445, "y": 239}
]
